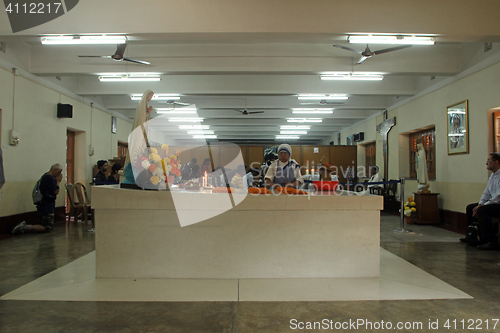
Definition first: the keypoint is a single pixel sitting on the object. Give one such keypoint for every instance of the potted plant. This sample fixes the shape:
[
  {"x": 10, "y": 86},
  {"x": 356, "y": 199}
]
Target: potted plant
[{"x": 410, "y": 210}]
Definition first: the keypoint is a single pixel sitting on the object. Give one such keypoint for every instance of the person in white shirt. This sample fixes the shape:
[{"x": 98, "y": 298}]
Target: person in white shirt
[
  {"x": 487, "y": 207},
  {"x": 375, "y": 178},
  {"x": 249, "y": 177},
  {"x": 284, "y": 171}
]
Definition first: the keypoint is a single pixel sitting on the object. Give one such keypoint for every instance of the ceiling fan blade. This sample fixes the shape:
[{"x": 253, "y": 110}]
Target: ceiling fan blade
[
  {"x": 346, "y": 48},
  {"x": 137, "y": 61},
  {"x": 363, "y": 58},
  {"x": 392, "y": 49},
  {"x": 255, "y": 112},
  {"x": 88, "y": 56},
  {"x": 120, "y": 51},
  {"x": 323, "y": 102}
]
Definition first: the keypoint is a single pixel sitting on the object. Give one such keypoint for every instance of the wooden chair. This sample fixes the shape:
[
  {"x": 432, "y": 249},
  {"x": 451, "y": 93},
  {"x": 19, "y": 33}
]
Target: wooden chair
[
  {"x": 81, "y": 191},
  {"x": 74, "y": 203},
  {"x": 389, "y": 194},
  {"x": 83, "y": 198}
]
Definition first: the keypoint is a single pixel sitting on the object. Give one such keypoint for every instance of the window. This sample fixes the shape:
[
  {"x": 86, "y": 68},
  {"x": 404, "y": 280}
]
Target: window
[
  {"x": 429, "y": 142},
  {"x": 496, "y": 129},
  {"x": 370, "y": 156}
]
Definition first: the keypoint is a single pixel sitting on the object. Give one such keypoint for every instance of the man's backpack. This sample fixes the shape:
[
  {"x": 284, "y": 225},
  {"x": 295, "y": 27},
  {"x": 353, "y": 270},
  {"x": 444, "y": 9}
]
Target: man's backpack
[
  {"x": 37, "y": 194},
  {"x": 472, "y": 234}
]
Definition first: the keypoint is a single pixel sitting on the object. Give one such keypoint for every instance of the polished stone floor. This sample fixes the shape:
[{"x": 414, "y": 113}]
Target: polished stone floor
[{"x": 28, "y": 257}]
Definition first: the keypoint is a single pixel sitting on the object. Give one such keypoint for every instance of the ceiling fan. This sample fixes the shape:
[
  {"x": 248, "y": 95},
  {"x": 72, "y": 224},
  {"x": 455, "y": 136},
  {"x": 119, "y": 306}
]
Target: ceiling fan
[
  {"x": 367, "y": 53},
  {"x": 246, "y": 112},
  {"x": 118, "y": 56},
  {"x": 324, "y": 102},
  {"x": 171, "y": 101}
]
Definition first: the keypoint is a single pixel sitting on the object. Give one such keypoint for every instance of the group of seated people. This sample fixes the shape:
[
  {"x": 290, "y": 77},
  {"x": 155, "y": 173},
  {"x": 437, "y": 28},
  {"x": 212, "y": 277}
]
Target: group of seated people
[
  {"x": 277, "y": 170},
  {"x": 100, "y": 176}
]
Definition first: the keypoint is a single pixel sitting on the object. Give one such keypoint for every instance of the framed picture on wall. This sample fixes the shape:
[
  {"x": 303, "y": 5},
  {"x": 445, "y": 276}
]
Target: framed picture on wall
[
  {"x": 113, "y": 125},
  {"x": 458, "y": 128}
]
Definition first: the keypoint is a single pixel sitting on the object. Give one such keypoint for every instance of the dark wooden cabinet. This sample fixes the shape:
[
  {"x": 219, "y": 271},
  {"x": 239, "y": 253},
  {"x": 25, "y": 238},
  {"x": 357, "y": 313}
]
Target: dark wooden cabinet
[{"x": 427, "y": 208}]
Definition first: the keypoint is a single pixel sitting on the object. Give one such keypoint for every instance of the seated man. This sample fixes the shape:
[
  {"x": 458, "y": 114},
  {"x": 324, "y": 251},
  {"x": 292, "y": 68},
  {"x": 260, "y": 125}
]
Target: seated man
[
  {"x": 250, "y": 176},
  {"x": 187, "y": 169},
  {"x": 100, "y": 175},
  {"x": 375, "y": 178},
  {"x": 284, "y": 171},
  {"x": 488, "y": 207},
  {"x": 237, "y": 179}
]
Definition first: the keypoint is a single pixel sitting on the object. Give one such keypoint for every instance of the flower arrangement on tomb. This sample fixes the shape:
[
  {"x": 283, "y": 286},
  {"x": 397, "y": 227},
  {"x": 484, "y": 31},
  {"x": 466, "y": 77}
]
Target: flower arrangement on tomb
[
  {"x": 223, "y": 190},
  {"x": 289, "y": 191},
  {"x": 258, "y": 190},
  {"x": 157, "y": 164},
  {"x": 191, "y": 185},
  {"x": 410, "y": 207}
]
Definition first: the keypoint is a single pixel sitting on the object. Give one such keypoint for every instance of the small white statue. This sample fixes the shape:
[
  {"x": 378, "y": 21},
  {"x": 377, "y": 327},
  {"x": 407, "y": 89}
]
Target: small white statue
[{"x": 421, "y": 163}]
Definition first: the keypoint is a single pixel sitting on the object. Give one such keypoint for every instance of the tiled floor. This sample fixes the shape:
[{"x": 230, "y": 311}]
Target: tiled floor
[
  {"x": 446, "y": 269},
  {"x": 76, "y": 282}
]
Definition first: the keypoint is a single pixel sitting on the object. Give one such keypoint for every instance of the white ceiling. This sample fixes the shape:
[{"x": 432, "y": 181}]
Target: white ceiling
[{"x": 225, "y": 55}]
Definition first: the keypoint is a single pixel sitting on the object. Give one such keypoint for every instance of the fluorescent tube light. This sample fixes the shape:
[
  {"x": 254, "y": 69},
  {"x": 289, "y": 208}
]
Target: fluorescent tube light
[
  {"x": 187, "y": 120},
  {"x": 292, "y": 127},
  {"x": 58, "y": 40},
  {"x": 291, "y": 137},
  {"x": 293, "y": 132},
  {"x": 129, "y": 78},
  {"x": 353, "y": 76},
  {"x": 194, "y": 127},
  {"x": 200, "y": 132},
  {"x": 323, "y": 96},
  {"x": 310, "y": 110},
  {"x": 383, "y": 39},
  {"x": 176, "y": 111},
  {"x": 204, "y": 136},
  {"x": 157, "y": 97},
  {"x": 304, "y": 120}
]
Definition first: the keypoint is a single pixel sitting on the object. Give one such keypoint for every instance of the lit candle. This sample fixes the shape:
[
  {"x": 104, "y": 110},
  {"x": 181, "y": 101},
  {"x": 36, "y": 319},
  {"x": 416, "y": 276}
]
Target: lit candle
[
  {"x": 312, "y": 171},
  {"x": 205, "y": 180},
  {"x": 307, "y": 171}
]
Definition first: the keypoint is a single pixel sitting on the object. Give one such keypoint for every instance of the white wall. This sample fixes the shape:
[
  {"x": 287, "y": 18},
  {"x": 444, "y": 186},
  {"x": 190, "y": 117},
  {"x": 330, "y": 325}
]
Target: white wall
[
  {"x": 32, "y": 112},
  {"x": 460, "y": 179}
]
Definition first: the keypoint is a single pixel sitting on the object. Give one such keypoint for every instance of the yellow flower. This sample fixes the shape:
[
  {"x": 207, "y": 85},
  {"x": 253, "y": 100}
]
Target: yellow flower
[
  {"x": 413, "y": 203},
  {"x": 413, "y": 209},
  {"x": 173, "y": 157},
  {"x": 155, "y": 180},
  {"x": 406, "y": 208},
  {"x": 167, "y": 160},
  {"x": 154, "y": 157},
  {"x": 153, "y": 150},
  {"x": 164, "y": 146}
]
